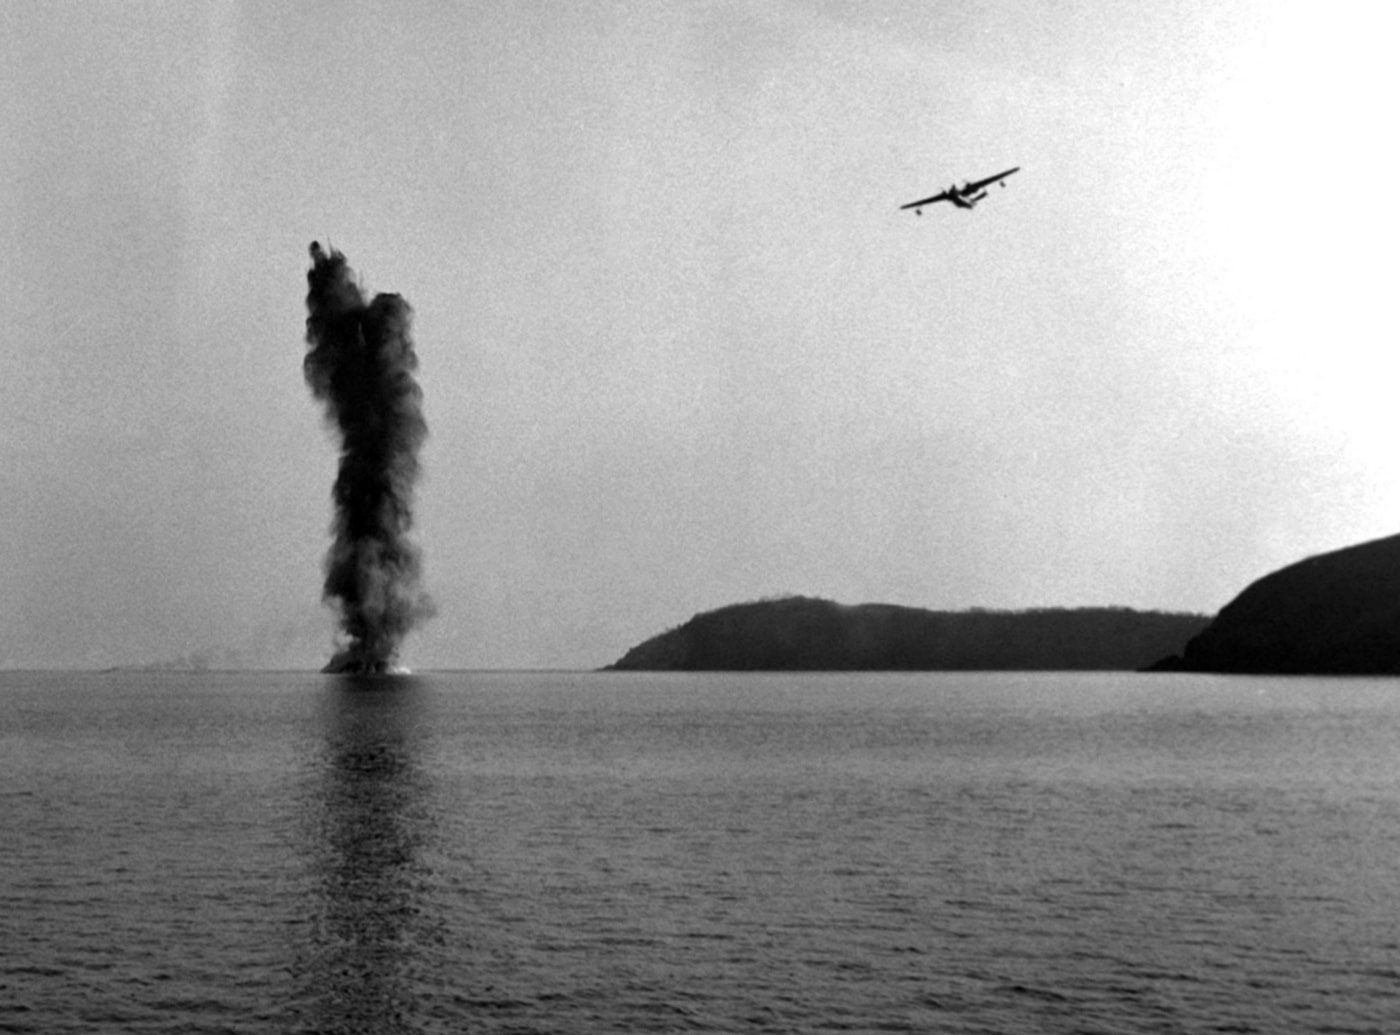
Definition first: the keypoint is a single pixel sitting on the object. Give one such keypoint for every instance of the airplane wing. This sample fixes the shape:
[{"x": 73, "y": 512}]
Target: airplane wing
[
  {"x": 942, "y": 195},
  {"x": 973, "y": 188}
]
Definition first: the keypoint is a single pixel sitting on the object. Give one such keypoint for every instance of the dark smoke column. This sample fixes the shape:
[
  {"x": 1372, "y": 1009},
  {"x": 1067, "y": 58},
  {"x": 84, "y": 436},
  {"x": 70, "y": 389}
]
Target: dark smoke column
[{"x": 360, "y": 363}]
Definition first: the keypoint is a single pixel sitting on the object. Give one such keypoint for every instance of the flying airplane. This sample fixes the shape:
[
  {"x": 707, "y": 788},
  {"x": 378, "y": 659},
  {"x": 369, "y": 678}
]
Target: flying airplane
[{"x": 966, "y": 196}]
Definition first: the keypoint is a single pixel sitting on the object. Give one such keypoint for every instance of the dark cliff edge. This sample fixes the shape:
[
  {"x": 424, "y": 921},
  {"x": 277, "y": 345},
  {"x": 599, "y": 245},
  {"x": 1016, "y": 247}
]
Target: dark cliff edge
[
  {"x": 807, "y": 634},
  {"x": 1333, "y": 614}
]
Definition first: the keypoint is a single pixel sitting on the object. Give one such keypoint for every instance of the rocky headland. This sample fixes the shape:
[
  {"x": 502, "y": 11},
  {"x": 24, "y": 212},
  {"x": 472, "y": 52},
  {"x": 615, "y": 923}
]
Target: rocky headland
[{"x": 1336, "y": 613}]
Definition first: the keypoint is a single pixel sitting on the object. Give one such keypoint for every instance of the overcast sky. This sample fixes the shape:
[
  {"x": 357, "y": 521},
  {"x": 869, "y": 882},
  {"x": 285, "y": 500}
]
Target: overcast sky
[{"x": 678, "y": 346}]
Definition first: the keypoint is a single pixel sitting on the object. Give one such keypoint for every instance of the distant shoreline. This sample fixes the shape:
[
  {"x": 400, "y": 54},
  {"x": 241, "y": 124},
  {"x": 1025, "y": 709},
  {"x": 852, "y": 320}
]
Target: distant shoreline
[{"x": 812, "y": 634}]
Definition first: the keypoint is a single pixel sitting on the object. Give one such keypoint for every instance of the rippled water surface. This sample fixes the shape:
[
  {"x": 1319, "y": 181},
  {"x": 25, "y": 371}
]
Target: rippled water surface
[{"x": 469, "y": 852}]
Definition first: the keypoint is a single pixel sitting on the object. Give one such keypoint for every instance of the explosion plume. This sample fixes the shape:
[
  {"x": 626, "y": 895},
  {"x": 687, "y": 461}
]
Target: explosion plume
[{"x": 360, "y": 363}]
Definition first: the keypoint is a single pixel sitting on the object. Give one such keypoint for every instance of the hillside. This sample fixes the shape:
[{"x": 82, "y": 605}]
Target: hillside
[
  {"x": 1334, "y": 614},
  {"x": 803, "y": 633}
]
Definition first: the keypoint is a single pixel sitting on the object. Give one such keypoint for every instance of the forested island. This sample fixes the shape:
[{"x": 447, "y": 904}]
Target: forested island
[
  {"x": 1336, "y": 613},
  {"x": 811, "y": 634}
]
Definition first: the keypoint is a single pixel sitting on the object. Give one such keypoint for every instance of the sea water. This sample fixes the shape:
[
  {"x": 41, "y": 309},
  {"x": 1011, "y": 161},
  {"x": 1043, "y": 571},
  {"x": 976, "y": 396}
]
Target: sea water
[{"x": 608, "y": 852}]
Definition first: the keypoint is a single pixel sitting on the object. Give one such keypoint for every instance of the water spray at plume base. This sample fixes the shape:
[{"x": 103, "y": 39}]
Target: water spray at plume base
[{"x": 360, "y": 363}]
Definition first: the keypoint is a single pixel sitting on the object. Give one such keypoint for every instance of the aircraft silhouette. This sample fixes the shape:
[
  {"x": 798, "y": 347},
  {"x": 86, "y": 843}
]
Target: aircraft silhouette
[{"x": 966, "y": 196}]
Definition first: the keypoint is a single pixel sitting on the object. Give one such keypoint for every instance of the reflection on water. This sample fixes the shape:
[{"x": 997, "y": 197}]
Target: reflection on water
[{"x": 366, "y": 824}]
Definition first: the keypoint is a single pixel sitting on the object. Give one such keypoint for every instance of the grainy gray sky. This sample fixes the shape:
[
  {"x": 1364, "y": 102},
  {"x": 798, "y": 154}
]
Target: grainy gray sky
[{"x": 679, "y": 348}]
